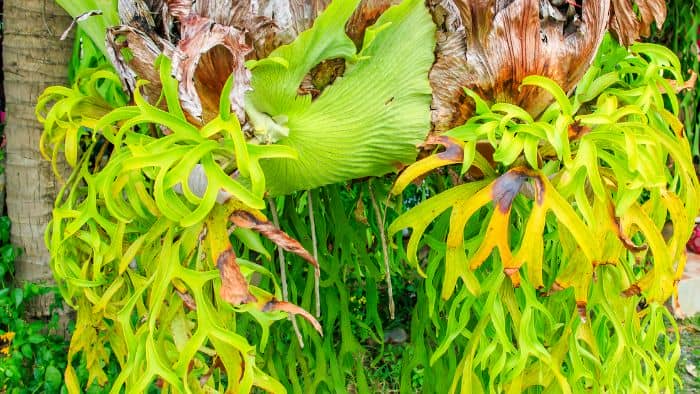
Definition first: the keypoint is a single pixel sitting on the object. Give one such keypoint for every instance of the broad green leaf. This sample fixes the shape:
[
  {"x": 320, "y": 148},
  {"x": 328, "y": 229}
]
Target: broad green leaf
[{"x": 364, "y": 123}]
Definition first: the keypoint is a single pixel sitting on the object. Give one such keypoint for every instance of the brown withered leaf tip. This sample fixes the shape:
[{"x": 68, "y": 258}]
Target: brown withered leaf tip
[
  {"x": 581, "y": 308},
  {"x": 506, "y": 187},
  {"x": 203, "y": 60},
  {"x": 577, "y": 130},
  {"x": 288, "y": 307},
  {"x": 625, "y": 25},
  {"x": 557, "y": 287},
  {"x": 632, "y": 291},
  {"x": 234, "y": 288},
  {"x": 453, "y": 152},
  {"x": 617, "y": 226},
  {"x": 687, "y": 85},
  {"x": 246, "y": 219},
  {"x": 187, "y": 300}
]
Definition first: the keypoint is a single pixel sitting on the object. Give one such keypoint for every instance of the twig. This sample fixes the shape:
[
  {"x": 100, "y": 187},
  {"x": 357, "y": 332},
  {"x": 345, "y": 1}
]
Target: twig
[
  {"x": 283, "y": 273},
  {"x": 385, "y": 252},
  {"x": 317, "y": 270},
  {"x": 100, "y": 154}
]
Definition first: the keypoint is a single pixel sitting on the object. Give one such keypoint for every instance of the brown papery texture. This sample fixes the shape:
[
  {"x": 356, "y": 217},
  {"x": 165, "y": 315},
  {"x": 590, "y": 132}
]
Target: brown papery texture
[{"x": 489, "y": 46}]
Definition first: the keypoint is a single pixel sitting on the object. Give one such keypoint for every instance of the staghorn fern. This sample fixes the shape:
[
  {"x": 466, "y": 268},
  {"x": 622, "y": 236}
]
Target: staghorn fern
[
  {"x": 124, "y": 244},
  {"x": 578, "y": 200},
  {"x": 140, "y": 245},
  {"x": 139, "y": 237}
]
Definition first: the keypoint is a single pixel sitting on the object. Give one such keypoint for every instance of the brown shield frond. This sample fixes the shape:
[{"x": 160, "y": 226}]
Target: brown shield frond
[
  {"x": 625, "y": 25},
  {"x": 133, "y": 54},
  {"x": 207, "y": 54},
  {"x": 489, "y": 46},
  {"x": 204, "y": 54}
]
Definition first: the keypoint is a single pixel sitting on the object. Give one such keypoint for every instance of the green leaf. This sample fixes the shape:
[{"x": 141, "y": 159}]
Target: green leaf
[
  {"x": 365, "y": 123},
  {"x": 53, "y": 377},
  {"x": 17, "y": 296},
  {"x": 554, "y": 89},
  {"x": 36, "y": 338}
]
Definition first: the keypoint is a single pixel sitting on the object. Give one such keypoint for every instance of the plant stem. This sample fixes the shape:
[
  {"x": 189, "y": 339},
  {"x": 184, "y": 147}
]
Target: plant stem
[
  {"x": 283, "y": 273},
  {"x": 317, "y": 270},
  {"x": 385, "y": 252}
]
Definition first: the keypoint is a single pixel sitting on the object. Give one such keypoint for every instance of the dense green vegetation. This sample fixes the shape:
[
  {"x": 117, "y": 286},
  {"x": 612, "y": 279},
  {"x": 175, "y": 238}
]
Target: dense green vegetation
[
  {"x": 573, "y": 200},
  {"x": 684, "y": 42}
]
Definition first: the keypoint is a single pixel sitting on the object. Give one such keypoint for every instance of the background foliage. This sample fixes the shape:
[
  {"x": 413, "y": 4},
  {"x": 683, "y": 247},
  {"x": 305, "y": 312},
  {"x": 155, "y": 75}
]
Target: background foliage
[
  {"x": 352, "y": 354},
  {"x": 681, "y": 35}
]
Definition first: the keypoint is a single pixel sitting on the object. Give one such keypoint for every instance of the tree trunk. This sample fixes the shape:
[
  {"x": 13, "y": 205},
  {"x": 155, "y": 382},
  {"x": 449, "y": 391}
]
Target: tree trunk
[{"x": 34, "y": 58}]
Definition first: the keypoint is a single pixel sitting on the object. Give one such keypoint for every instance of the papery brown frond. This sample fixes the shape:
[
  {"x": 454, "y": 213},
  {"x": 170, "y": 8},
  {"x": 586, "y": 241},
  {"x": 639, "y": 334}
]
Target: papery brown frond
[
  {"x": 203, "y": 57},
  {"x": 366, "y": 14},
  {"x": 260, "y": 25},
  {"x": 178, "y": 8},
  {"x": 234, "y": 288},
  {"x": 207, "y": 54},
  {"x": 215, "y": 39},
  {"x": 625, "y": 25},
  {"x": 246, "y": 219},
  {"x": 489, "y": 46},
  {"x": 137, "y": 14},
  {"x": 290, "y": 308},
  {"x": 139, "y": 62}
]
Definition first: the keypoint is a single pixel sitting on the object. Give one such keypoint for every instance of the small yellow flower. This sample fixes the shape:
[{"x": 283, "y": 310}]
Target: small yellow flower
[{"x": 5, "y": 341}]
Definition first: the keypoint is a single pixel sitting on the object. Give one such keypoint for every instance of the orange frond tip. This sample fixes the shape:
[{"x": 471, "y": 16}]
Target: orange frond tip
[
  {"x": 288, "y": 307},
  {"x": 514, "y": 275},
  {"x": 632, "y": 291},
  {"x": 577, "y": 130},
  {"x": 246, "y": 219},
  {"x": 234, "y": 288},
  {"x": 581, "y": 307}
]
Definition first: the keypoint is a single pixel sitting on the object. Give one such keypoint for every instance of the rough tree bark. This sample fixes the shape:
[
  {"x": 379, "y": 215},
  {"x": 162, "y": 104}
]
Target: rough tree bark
[{"x": 34, "y": 58}]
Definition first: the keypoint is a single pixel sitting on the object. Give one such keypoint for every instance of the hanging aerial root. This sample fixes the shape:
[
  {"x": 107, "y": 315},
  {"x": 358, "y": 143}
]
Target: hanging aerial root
[
  {"x": 317, "y": 270},
  {"x": 385, "y": 252},
  {"x": 275, "y": 231}
]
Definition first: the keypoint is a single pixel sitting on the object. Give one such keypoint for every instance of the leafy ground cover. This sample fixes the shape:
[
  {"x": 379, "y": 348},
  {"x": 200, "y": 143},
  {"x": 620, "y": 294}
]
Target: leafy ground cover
[
  {"x": 689, "y": 363},
  {"x": 32, "y": 352}
]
